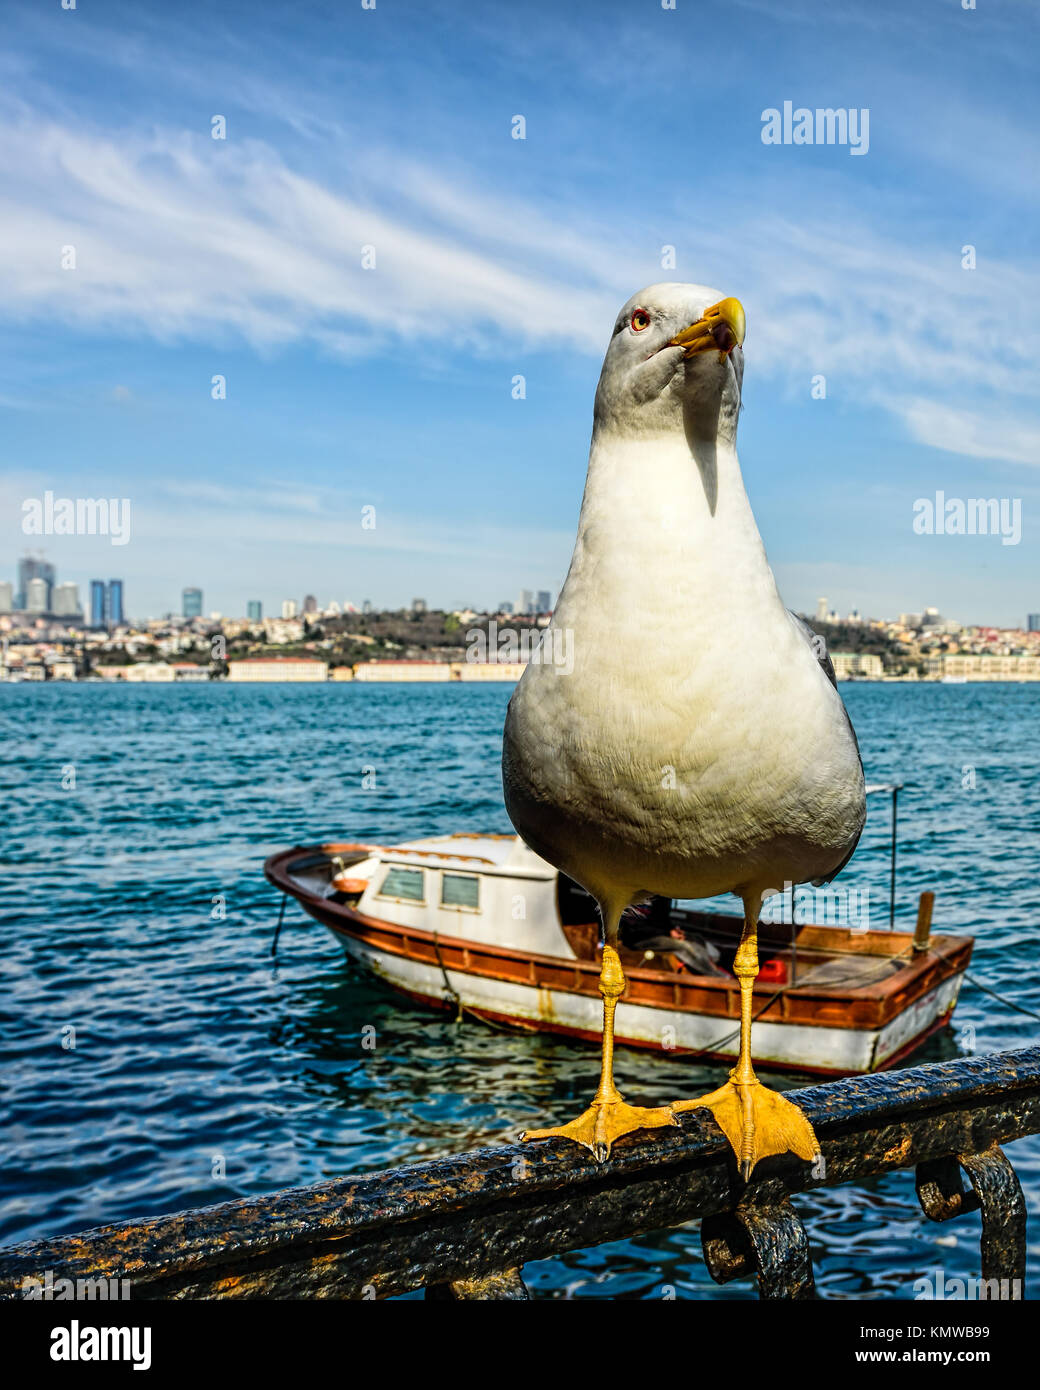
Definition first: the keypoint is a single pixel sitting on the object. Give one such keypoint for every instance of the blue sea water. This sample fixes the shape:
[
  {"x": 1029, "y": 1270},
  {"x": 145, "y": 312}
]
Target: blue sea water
[{"x": 134, "y": 912}]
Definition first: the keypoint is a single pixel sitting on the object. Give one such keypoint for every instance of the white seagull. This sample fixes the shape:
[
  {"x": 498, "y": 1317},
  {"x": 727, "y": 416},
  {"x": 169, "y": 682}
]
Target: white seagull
[{"x": 695, "y": 742}]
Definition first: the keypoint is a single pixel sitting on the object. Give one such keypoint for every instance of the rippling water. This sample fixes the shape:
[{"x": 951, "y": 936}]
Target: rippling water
[{"x": 135, "y": 912}]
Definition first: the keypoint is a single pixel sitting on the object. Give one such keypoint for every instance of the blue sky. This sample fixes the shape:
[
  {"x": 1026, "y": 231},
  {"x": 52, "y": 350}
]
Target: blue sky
[{"x": 391, "y": 387}]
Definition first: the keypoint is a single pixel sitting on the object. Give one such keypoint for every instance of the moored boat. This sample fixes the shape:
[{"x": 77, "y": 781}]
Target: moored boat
[{"x": 480, "y": 922}]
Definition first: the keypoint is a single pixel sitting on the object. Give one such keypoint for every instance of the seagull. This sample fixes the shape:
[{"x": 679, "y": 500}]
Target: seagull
[{"x": 695, "y": 742}]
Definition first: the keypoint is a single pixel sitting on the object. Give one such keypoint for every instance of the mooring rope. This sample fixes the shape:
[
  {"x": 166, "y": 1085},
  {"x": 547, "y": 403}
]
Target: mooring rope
[
  {"x": 451, "y": 993},
  {"x": 993, "y": 994}
]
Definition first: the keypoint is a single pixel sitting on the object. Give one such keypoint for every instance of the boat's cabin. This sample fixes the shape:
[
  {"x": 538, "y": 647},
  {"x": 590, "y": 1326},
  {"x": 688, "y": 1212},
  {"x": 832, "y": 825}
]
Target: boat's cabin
[{"x": 489, "y": 888}]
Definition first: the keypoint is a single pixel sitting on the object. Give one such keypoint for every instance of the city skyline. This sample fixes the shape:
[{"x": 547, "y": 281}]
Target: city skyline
[{"x": 106, "y": 597}]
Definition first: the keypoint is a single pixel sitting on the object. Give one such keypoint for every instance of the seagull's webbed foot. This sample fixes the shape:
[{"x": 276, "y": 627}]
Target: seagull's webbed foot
[
  {"x": 603, "y": 1122},
  {"x": 757, "y": 1122}
]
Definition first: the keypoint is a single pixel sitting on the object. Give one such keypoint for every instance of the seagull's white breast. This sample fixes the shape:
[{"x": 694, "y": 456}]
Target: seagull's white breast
[{"x": 696, "y": 746}]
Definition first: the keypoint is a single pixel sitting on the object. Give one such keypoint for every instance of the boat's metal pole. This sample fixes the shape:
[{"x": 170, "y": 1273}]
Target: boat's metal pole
[{"x": 892, "y": 879}]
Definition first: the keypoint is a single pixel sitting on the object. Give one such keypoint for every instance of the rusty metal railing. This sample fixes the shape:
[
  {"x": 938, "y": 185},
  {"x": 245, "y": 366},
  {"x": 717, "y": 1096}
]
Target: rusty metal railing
[{"x": 462, "y": 1227}]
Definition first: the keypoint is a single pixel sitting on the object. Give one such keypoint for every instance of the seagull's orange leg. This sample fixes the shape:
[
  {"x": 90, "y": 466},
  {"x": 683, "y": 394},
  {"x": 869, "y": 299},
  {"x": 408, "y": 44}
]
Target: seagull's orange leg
[
  {"x": 756, "y": 1121},
  {"x": 608, "y": 1117}
]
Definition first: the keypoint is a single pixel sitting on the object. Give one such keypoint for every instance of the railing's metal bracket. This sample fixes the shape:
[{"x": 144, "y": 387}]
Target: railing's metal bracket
[
  {"x": 508, "y": 1285},
  {"x": 764, "y": 1236},
  {"x": 996, "y": 1191}
]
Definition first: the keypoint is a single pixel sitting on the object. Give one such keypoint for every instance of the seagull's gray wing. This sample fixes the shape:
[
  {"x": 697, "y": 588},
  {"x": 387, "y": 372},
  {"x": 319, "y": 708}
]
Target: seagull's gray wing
[{"x": 819, "y": 649}]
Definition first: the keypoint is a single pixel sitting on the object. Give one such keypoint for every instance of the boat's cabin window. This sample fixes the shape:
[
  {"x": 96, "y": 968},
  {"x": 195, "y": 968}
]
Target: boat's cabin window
[
  {"x": 460, "y": 890},
  {"x": 403, "y": 883}
]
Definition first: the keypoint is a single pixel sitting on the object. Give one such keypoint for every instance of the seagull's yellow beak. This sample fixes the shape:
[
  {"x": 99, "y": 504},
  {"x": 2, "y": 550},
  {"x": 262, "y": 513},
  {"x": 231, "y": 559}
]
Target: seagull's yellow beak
[{"x": 721, "y": 328}]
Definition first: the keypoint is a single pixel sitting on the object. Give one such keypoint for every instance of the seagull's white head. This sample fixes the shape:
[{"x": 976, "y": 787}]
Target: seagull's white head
[{"x": 675, "y": 362}]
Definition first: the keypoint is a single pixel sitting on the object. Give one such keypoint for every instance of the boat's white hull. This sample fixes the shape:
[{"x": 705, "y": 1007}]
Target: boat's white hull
[{"x": 816, "y": 1048}]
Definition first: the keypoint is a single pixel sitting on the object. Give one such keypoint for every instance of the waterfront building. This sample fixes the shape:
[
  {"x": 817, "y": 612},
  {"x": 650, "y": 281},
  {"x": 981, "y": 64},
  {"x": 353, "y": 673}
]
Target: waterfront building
[
  {"x": 403, "y": 671},
  {"x": 865, "y": 665},
  {"x": 506, "y": 671},
  {"x": 140, "y": 671},
  {"x": 191, "y": 603},
  {"x": 964, "y": 667},
  {"x": 278, "y": 668}
]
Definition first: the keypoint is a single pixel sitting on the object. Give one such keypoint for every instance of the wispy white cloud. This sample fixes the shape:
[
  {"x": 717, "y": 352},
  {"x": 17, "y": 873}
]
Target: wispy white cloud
[
  {"x": 178, "y": 237},
  {"x": 175, "y": 239},
  {"x": 973, "y": 435}
]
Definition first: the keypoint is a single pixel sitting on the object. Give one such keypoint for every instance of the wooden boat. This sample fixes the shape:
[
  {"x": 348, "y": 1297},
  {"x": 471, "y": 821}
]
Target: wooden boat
[{"x": 481, "y": 923}]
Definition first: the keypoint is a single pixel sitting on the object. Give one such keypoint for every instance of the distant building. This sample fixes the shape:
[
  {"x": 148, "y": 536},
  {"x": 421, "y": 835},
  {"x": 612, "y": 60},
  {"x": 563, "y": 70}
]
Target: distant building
[
  {"x": 66, "y": 601},
  {"x": 507, "y": 671},
  {"x": 115, "y": 613},
  {"x": 418, "y": 605},
  {"x": 310, "y": 604},
  {"x": 525, "y": 603},
  {"x": 137, "y": 671},
  {"x": 255, "y": 611},
  {"x": 289, "y": 608},
  {"x": 1032, "y": 621},
  {"x": 821, "y": 610},
  {"x": 37, "y": 596},
  {"x": 403, "y": 671},
  {"x": 191, "y": 603},
  {"x": 278, "y": 668},
  {"x": 505, "y": 608},
  {"x": 97, "y": 603},
  {"x": 984, "y": 668},
  {"x": 366, "y": 606},
  {"x": 544, "y": 601},
  {"x": 865, "y": 665},
  {"x": 6, "y": 596},
  {"x": 106, "y": 603},
  {"x": 63, "y": 670},
  {"x": 28, "y": 570}
]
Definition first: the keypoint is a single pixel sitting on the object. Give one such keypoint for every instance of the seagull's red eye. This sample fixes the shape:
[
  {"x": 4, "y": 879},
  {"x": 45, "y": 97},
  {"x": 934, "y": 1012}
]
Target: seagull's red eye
[{"x": 640, "y": 320}]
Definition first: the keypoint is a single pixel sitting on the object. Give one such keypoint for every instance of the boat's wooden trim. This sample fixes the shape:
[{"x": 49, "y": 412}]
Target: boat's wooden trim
[{"x": 868, "y": 1007}]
